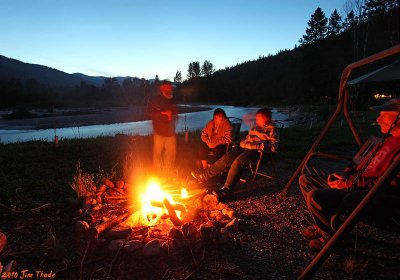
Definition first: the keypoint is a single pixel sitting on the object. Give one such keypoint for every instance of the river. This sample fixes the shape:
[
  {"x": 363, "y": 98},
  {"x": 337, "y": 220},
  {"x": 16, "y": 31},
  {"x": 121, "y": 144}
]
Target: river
[{"x": 193, "y": 121}]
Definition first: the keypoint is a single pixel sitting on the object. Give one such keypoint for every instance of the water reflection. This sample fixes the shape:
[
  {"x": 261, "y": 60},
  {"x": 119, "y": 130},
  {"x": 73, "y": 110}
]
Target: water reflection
[{"x": 194, "y": 121}]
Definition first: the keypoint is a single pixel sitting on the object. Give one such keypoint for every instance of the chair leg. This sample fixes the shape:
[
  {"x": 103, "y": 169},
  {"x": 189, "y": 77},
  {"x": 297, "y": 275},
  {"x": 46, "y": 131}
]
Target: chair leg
[{"x": 255, "y": 172}]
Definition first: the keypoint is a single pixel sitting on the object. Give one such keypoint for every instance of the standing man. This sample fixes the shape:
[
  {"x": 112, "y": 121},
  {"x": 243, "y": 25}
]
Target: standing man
[{"x": 163, "y": 113}]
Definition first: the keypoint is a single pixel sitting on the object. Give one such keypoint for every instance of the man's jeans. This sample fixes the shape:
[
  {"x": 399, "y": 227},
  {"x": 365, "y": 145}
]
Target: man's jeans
[
  {"x": 236, "y": 158},
  {"x": 166, "y": 145}
]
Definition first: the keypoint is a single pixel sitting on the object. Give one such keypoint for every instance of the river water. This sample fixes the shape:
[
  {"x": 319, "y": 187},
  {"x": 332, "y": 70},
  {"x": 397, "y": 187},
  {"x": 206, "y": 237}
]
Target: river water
[{"x": 193, "y": 121}]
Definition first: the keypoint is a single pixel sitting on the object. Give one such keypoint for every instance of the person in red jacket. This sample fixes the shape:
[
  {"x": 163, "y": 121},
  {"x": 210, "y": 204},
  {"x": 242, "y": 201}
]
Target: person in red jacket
[
  {"x": 163, "y": 113},
  {"x": 324, "y": 196}
]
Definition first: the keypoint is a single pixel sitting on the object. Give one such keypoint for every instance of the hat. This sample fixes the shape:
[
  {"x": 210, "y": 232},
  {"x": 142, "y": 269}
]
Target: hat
[{"x": 391, "y": 105}]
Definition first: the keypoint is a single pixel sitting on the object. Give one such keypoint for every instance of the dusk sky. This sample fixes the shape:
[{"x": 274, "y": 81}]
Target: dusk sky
[{"x": 144, "y": 38}]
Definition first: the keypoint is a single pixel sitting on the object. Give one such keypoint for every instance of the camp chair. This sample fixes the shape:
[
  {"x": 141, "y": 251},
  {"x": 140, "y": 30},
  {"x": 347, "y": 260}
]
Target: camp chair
[
  {"x": 236, "y": 125},
  {"x": 266, "y": 157}
]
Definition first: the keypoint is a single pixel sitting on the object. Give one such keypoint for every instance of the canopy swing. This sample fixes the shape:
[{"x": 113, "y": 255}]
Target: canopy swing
[{"x": 343, "y": 106}]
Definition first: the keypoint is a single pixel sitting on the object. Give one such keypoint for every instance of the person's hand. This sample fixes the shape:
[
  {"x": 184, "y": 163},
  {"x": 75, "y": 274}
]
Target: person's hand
[
  {"x": 167, "y": 113},
  {"x": 337, "y": 181}
]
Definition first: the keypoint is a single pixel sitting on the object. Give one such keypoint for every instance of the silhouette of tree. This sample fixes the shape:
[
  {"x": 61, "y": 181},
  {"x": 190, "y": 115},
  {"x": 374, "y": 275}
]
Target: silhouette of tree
[
  {"x": 317, "y": 27},
  {"x": 335, "y": 24},
  {"x": 190, "y": 74},
  {"x": 375, "y": 7},
  {"x": 207, "y": 69},
  {"x": 178, "y": 77},
  {"x": 350, "y": 21},
  {"x": 196, "y": 68}
]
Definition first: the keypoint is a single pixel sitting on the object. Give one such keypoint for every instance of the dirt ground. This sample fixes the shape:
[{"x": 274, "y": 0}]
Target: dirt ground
[{"x": 268, "y": 245}]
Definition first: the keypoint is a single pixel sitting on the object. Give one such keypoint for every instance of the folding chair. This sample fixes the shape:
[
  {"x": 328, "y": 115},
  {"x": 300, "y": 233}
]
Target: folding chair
[
  {"x": 236, "y": 125},
  {"x": 268, "y": 157}
]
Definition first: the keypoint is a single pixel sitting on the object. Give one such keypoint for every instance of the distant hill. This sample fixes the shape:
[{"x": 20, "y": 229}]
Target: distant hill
[
  {"x": 99, "y": 80},
  {"x": 14, "y": 69}
]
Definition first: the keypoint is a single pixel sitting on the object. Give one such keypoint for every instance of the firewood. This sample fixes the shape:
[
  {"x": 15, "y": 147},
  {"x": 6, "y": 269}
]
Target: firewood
[
  {"x": 118, "y": 233},
  {"x": 81, "y": 227},
  {"x": 97, "y": 230},
  {"x": 172, "y": 214},
  {"x": 120, "y": 184},
  {"x": 175, "y": 206},
  {"x": 233, "y": 225},
  {"x": 102, "y": 188},
  {"x": 108, "y": 183}
]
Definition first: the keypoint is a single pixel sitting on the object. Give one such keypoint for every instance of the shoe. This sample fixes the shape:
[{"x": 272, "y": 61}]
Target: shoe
[
  {"x": 317, "y": 244},
  {"x": 222, "y": 193},
  {"x": 198, "y": 176},
  {"x": 312, "y": 232}
]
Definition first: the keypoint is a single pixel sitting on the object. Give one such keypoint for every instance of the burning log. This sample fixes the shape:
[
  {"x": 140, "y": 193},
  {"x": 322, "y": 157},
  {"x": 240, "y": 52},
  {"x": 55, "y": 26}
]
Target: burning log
[
  {"x": 97, "y": 230},
  {"x": 172, "y": 214},
  {"x": 176, "y": 206}
]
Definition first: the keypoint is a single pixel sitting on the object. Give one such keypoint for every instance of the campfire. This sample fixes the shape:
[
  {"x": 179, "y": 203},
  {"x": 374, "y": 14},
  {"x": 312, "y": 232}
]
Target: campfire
[{"x": 160, "y": 217}]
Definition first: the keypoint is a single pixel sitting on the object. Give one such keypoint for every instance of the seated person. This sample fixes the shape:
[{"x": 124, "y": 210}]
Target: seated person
[
  {"x": 215, "y": 137},
  {"x": 262, "y": 136},
  {"x": 324, "y": 196}
]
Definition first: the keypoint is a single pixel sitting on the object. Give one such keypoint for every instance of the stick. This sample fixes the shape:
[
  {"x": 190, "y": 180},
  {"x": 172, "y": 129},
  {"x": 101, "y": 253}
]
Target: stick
[
  {"x": 97, "y": 230},
  {"x": 172, "y": 214},
  {"x": 175, "y": 206}
]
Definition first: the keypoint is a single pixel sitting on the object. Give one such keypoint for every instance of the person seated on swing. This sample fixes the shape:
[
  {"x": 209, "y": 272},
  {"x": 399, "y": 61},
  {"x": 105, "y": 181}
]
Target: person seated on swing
[
  {"x": 216, "y": 138},
  {"x": 262, "y": 136},
  {"x": 325, "y": 197}
]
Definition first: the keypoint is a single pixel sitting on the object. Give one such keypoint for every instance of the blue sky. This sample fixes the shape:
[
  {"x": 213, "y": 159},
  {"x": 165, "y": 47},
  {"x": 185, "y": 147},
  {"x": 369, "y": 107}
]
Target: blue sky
[{"x": 143, "y": 38}]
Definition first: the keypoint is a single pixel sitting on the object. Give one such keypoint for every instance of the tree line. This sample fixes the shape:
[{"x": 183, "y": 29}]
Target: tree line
[{"x": 311, "y": 71}]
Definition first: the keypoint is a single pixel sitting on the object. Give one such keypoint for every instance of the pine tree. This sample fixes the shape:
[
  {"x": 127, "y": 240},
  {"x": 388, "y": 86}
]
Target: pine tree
[
  {"x": 375, "y": 7},
  {"x": 335, "y": 24},
  {"x": 190, "y": 74},
  {"x": 196, "y": 69},
  {"x": 316, "y": 29},
  {"x": 178, "y": 77},
  {"x": 350, "y": 21},
  {"x": 207, "y": 69}
]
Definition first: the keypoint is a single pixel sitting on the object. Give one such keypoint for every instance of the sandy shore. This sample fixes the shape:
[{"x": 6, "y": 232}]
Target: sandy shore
[{"x": 83, "y": 116}]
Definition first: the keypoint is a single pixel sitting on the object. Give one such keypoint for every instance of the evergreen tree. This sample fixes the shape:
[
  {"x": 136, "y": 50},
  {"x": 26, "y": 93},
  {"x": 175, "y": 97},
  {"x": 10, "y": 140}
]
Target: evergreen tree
[
  {"x": 316, "y": 29},
  {"x": 190, "y": 74},
  {"x": 207, "y": 69},
  {"x": 178, "y": 77},
  {"x": 335, "y": 24},
  {"x": 375, "y": 7},
  {"x": 196, "y": 69},
  {"x": 350, "y": 21}
]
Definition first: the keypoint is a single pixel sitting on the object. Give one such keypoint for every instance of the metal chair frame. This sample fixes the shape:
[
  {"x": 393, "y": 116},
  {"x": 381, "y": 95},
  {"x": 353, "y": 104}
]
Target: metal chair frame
[{"x": 342, "y": 106}]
